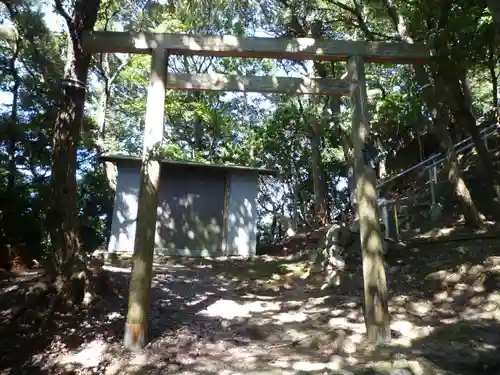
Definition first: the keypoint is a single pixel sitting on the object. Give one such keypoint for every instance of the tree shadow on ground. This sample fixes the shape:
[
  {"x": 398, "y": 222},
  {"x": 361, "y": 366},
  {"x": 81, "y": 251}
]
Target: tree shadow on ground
[
  {"x": 473, "y": 347},
  {"x": 247, "y": 316},
  {"x": 462, "y": 348},
  {"x": 177, "y": 295}
]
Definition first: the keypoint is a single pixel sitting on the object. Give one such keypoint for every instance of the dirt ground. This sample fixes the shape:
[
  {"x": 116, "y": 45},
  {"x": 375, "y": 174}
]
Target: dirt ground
[{"x": 260, "y": 317}]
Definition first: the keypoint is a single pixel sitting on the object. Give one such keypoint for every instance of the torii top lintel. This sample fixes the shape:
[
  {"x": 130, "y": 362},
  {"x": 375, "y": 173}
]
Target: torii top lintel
[{"x": 255, "y": 47}]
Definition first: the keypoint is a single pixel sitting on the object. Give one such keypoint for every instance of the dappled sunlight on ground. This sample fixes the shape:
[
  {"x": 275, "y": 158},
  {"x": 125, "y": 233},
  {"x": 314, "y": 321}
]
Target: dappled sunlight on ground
[
  {"x": 454, "y": 226},
  {"x": 233, "y": 316}
]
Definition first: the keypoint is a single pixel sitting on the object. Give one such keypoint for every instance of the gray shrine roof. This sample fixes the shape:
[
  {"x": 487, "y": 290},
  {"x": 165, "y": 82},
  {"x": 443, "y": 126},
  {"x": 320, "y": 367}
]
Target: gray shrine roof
[{"x": 135, "y": 160}]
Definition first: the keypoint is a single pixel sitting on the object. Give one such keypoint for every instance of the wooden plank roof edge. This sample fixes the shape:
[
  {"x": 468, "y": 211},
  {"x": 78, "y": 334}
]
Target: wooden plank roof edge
[
  {"x": 117, "y": 158},
  {"x": 255, "y": 47}
]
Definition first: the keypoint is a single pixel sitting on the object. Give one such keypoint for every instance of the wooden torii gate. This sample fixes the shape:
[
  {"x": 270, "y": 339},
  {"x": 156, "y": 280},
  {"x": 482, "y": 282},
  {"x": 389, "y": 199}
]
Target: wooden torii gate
[{"x": 356, "y": 53}]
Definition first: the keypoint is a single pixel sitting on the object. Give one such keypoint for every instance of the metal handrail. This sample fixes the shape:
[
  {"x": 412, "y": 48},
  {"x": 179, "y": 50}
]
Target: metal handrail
[
  {"x": 489, "y": 130},
  {"x": 466, "y": 147}
]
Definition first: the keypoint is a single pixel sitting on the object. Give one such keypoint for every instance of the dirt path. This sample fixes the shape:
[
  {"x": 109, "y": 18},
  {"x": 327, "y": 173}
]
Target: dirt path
[
  {"x": 255, "y": 317},
  {"x": 204, "y": 322}
]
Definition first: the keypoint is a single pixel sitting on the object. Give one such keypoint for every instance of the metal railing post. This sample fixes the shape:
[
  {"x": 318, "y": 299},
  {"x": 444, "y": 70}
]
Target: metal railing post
[{"x": 431, "y": 183}]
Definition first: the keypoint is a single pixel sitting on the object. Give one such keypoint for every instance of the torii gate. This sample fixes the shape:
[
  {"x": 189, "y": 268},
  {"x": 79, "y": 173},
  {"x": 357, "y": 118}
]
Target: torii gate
[{"x": 356, "y": 53}]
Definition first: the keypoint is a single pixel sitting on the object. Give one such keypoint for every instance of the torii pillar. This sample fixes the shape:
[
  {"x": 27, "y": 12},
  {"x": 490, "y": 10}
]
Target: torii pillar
[
  {"x": 376, "y": 307},
  {"x": 136, "y": 327}
]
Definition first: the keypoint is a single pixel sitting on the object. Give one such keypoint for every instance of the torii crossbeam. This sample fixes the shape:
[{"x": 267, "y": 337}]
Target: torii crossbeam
[{"x": 255, "y": 47}]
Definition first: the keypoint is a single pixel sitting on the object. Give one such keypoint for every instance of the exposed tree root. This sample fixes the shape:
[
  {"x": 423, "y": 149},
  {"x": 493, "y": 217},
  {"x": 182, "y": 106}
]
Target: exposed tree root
[{"x": 88, "y": 283}]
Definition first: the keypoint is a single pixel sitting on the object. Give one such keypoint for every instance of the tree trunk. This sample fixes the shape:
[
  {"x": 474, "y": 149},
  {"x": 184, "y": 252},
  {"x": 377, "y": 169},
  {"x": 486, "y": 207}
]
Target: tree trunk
[
  {"x": 494, "y": 6},
  {"x": 320, "y": 201},
  {"x": 430, "y": 98},
  {"x": 348, "y": 150},
  {"x": 472, "y": 216},
  {"x": 109, "y": 167},
  {"x": 66, "y": 135},
  {"x": 345, "y": 138},
  {"x": 320, "y": 198},
  {"x": 462, "y": 113},
  {"x": 492, "y": 65},
  {"x": 9, "y": 216},
  {"x": 467, "y": 94},
  {"x": 274, "y": 227},
  {"x": 197, "y": 128},
  {"x": 109, "y": 78},
  {"x": 11, "y": 147}
]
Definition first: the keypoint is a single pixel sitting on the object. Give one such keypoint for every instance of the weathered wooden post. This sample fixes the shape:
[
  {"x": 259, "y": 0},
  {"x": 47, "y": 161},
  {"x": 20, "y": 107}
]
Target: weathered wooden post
[
  {"x": 376, "y": 296},
  {"x": 136, "y": 326}
]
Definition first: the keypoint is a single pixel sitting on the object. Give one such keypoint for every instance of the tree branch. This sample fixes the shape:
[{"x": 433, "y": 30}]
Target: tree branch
[
  {"x": 370, "y": 35},
  {"x": 62, "y": 12},
  {"x": 118, "y": 70}
]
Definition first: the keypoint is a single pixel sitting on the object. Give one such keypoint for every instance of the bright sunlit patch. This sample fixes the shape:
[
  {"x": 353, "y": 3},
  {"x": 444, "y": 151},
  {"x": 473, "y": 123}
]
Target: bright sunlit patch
[
  {"x": 255, "y": 296},
  {"x": 336, "y": 312},
  {"x": 91, "y": 355},
  {"x": 336, "y": 363},
  {"x": 9, "y": 289},
  {"x": 117, "y": 269},
  {"x": 281, "y": 363},
  {"x": 309, "y": 366},
  {"x": 228, "y": 309},
  {"x": 197, "y": 300},
  {"x": 282, "y": 318},
  {"x": 114, "y": 315},
  {"x": 404, "y": 327}
]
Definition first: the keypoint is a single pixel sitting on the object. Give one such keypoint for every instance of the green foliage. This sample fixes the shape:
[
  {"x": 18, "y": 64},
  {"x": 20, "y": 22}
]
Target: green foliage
[
  {"x": 272, "y": 131},
  {"x": 96, "y": 204}
]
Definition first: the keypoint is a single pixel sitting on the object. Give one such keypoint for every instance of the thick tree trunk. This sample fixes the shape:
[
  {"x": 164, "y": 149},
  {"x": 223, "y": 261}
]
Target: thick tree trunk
[
  {"x": 9, "y": 216},
  {"x": 64, "y": 215},
  {"x": 494, "y": 6},
  {"x": 430, "y": 98},
  {"x": 460, "y": 104},
  {"x": 320, "y": 201},
  {"x": 10, "y": 222},
  {"x": 11, "y": 146},
  {"x": 462, "y": 112},
  {"x": 492, "y": 69},
  {"x": 462, "y": 192},
  {"x": 66, "y": 135},
  {"x": 472, "y": 216}
]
